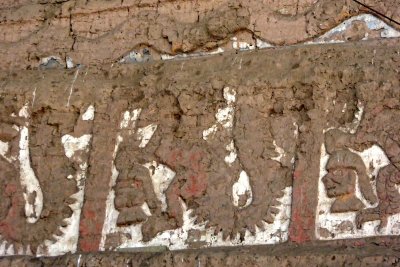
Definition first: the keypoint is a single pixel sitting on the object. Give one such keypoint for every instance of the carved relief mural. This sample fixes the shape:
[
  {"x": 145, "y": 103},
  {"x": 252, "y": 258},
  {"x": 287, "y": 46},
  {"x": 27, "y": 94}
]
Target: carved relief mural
[
  {"x": 358, "y": 184},
  {"x": 43, "y": 157},
  {"x": 208, "y": 188}
]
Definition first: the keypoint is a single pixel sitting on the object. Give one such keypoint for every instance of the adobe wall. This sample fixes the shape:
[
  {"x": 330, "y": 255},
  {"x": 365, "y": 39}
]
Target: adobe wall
[{"x": 116, "y": 144}]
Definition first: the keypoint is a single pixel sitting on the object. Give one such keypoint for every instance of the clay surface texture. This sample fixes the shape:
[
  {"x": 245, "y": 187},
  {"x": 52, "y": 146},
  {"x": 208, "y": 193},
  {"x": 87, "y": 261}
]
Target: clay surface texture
[{"x": 191, "y": 131}]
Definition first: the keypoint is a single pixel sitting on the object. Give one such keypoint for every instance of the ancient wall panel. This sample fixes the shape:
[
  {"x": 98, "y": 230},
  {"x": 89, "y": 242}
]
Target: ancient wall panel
[
  {"x": 236, "y": 149},
  {"x": 358, "y": 183}
]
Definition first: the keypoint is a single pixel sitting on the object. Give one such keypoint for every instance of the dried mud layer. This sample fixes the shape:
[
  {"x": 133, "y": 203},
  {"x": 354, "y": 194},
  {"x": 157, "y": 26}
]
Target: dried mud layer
[
  {"x": 105, "y": 31},
  {"x": 297, "y": 144}
]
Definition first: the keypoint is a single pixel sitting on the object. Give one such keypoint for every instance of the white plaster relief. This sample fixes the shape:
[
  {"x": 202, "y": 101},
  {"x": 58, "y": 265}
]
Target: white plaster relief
[
  {"x": 144, "y": 134},
  {"x": 70, "y": 63},
  {"x": 71, "y": 88},
  {"x": 29, "y": 182},
  {"x": 146, "y": 209},
  {"x": 239, "y": 45},
  {"x": 331, "y": 225},
  {"x": 225, "y": 115},
  {"x": 192, "y": 55},
  {"x": 47, "y": 60},
  {"x": 242, "y": 188},
  {"x": 280, "y": 151},
  {"x": 72, "y": 144},
  {"x": 210, "y": 131},
  {"x": 161, "y": 177},
  {"x": 177, "y": 239},
  {"x": 229, "y": 159},
  {"x": 89, "y": 114}
]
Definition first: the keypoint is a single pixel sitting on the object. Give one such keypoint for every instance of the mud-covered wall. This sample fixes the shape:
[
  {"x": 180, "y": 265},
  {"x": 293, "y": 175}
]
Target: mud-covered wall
[
  {"x": 131, "y": 125},
  {"x": 104, "y": 31},
  {"x": 292, "y": 145}
]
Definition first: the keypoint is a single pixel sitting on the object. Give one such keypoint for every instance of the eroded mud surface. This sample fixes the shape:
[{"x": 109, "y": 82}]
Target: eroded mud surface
[
  {"x": 104, "y": 32},
  {"x": 227, "y": 139}
]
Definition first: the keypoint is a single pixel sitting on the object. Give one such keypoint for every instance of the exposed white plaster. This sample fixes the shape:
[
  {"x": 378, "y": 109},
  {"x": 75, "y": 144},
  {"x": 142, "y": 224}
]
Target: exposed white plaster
[
  {"x": 72, "y": 86},
  {"x": 34, "y": 96},
  {"x": 238, "y": 45},
  {"x": 24, "y": 111},
  {"x": 3, "y": 247},
  {"x": 161, "y": 177},
  {"x": 4, "y": 147},
  {"x": 225, "y": 115},
  {"x": 45, "y": 60},
  {"x": 372, "y": 22},
  {"x": 89, "y": 114},
  {"x": 70, "y": 63},
  {"x": 29, "y": 182},
  {"x": 78, "y": 263},
  {"x": 192, "y": 55},
  {"x": 10, "y": 250},
  {"x": 129, "y": 119},
  {"x": 111, "y": 213},
  {"x": 146, "y": 209},
  {"x": 210, "y": 131},
  {"x": 232, "y": 153},
  {"x": 72, "y": 144},
  {"x": 242, "y": 188},
  {"x": 260, "y": 44},
  {"x": 144, "y": 134},
  {"x": 280, "y": 151}
]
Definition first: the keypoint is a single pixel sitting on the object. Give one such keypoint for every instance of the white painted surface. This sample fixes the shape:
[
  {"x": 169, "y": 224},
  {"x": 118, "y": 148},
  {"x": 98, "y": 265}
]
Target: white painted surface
[
  {"x": 24, "y": 111},
  {"x": 280, "y": 151},
  {"x": 45, "y": 60},
  {"x": 72, "y": 144},
  {"x": 161, "y": 177},
  {"x": 239, "y": 45},
  {"x": 242, "y": 188},
  {"x": 224, "y": 116},
  {"x": 372, "y": 23},
  {"x": 192, "y": 55},
  {"x": 231, "y": 157},
  {"x": 89, "y": 114},
  {"x": 260, "y": 44},
  {"x": 144, "y": 134},
  {"x": 4, "y": 148},
  {"x": 70, "y": 63},
  {"x": 210, "y": 131},
  {"x": 29, "y": 182}
]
